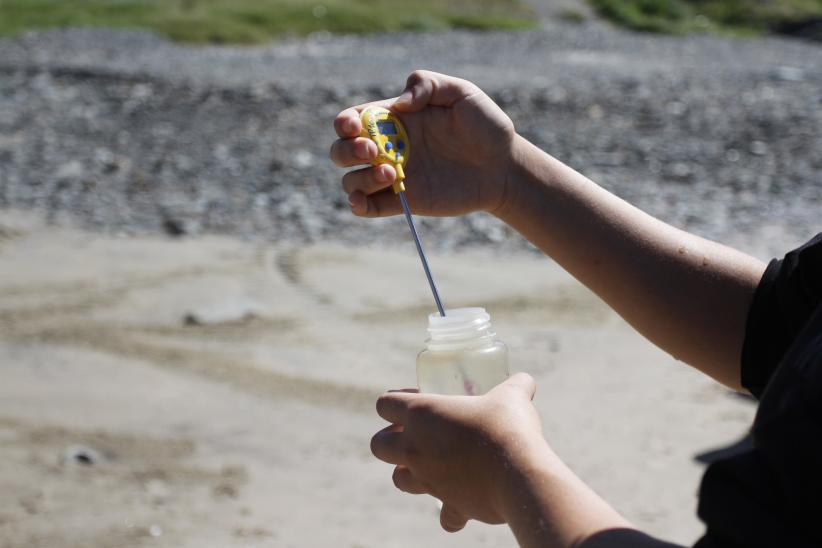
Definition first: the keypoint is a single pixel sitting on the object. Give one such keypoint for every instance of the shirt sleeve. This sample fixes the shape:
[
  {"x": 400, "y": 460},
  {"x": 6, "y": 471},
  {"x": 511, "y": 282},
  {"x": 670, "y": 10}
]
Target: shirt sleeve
[{"x": 787, "y": 295}]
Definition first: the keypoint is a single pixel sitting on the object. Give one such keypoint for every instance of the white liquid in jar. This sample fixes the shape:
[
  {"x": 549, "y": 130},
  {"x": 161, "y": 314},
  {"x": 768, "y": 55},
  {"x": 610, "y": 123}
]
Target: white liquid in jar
[
  {"x": 470, "y": 372},
  {"x": 462, "y": 356}
]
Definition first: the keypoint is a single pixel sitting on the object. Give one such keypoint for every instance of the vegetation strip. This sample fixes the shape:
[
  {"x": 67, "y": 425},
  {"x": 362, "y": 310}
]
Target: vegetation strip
[
  {"x": 256, "y": 21},
  {"x": 801, "y": 18}
]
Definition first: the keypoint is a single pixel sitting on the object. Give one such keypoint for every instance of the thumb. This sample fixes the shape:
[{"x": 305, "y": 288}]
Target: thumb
[
  {"x": 522, "y": 383},
  {"x": 451, "y": 519},
  {"x": 425, "y": 88}
]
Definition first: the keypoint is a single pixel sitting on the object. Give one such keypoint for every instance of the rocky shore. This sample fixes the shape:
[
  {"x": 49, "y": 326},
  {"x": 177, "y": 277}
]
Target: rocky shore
[{"x": 126, "y": 132}]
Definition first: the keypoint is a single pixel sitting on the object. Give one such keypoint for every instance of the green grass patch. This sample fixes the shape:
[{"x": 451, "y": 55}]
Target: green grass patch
[
  {"x": 738, "y": 17},
  {"x": 254, "y": 21}
]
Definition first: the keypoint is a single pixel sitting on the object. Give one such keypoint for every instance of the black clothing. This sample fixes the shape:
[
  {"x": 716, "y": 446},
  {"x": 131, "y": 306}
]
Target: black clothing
[{"x": 771, "y": 495}]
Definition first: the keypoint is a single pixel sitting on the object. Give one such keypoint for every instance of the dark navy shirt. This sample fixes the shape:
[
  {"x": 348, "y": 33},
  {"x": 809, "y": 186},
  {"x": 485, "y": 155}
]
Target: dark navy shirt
[{"x": 771, "y": 495}]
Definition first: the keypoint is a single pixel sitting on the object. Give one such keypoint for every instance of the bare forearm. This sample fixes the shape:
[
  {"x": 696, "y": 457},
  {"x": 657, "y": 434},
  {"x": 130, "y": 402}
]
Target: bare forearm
[
  {"x": 547, "y": 506},
  {"x": 688, "y": 295},
  {"x": 551, "y": 508}
]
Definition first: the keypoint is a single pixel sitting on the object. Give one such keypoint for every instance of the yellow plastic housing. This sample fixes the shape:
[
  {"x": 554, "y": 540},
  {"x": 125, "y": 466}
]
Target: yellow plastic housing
[{"x": 384, "y": 128}]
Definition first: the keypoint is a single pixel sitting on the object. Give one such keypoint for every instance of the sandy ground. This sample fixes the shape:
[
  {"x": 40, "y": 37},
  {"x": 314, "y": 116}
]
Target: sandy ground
[{"x": 227, "y": 388}]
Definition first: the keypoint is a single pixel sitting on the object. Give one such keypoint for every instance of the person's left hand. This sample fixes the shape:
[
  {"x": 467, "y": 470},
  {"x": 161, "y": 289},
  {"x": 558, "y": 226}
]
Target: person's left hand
[{"x": 467, "y": 451}]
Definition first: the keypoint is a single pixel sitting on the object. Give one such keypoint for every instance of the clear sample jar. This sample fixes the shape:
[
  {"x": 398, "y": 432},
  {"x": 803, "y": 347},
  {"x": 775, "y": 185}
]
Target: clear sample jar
[{"x": 462, "y": 355}]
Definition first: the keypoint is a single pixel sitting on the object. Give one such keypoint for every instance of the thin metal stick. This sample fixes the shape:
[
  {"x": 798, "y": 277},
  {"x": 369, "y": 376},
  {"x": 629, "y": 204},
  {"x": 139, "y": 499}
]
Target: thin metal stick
[{"x": 422, "y": 253}]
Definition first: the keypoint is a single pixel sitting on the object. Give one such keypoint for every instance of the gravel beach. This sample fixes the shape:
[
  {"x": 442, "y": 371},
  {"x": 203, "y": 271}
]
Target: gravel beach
[{"x": 130, "y": 133}]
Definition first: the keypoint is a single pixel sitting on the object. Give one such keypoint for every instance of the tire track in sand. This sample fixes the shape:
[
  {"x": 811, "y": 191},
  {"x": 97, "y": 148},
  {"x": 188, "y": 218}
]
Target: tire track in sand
[
  {"x": 224, "y": 370},
  {"x": 60, "y": 314}
]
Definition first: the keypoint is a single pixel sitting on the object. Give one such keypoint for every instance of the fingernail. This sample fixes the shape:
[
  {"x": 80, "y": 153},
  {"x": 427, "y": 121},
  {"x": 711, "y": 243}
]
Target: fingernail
[{"x": 382, "y": 175}]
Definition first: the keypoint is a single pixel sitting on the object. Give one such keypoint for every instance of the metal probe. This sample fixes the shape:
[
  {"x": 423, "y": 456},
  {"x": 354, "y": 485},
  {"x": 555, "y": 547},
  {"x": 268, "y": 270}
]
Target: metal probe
[
  {"x": 421, "y": 252},
  {"x": 393, "y": 147}
]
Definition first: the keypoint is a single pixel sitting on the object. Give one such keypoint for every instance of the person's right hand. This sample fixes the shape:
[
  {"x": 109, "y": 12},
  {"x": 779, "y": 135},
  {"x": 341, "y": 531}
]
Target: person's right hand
[{"x": 460, "y": 153}]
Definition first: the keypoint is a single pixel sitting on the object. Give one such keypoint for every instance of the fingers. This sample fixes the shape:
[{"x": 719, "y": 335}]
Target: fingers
[
  {"x": 393, "y": 406},
  {"x": 380, "y": 204},
  {"x": 387, "y": 445},
  {"x": 352, "y": 152},
  {"x": 347, "y": 123},
  {"x": 369, "y": 180},
  {"x": 425, "y": 88},
  {"x": 451, "y": 520},
  {"x": 404, "y": 480},
  {"x": 521, "y": 382}
]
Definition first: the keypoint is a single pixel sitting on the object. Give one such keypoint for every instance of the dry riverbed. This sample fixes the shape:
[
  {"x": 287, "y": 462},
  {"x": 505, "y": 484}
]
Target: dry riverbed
[{"x": 210, "y": 392}]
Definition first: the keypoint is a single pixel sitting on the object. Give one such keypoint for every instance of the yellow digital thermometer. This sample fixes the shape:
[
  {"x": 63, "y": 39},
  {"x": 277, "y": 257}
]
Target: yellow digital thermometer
[{"x": 393, "y": 147}]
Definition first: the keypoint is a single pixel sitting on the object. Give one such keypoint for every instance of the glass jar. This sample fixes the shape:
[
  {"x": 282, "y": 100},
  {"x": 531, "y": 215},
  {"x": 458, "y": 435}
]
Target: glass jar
[{"x": 462, "y": 355}]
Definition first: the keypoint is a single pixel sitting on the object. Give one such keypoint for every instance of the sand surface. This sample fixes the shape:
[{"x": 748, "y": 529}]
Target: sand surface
[{"x": 225, "y": 390}]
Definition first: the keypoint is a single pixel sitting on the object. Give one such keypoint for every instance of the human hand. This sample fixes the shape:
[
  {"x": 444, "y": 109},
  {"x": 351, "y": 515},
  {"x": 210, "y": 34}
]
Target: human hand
[
  {"x": 460, "y": 153},
  {"x": 468, "y": 451}
]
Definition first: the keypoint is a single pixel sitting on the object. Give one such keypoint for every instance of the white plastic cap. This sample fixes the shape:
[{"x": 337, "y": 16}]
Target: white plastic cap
[{"x": 459, "y": 325}]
